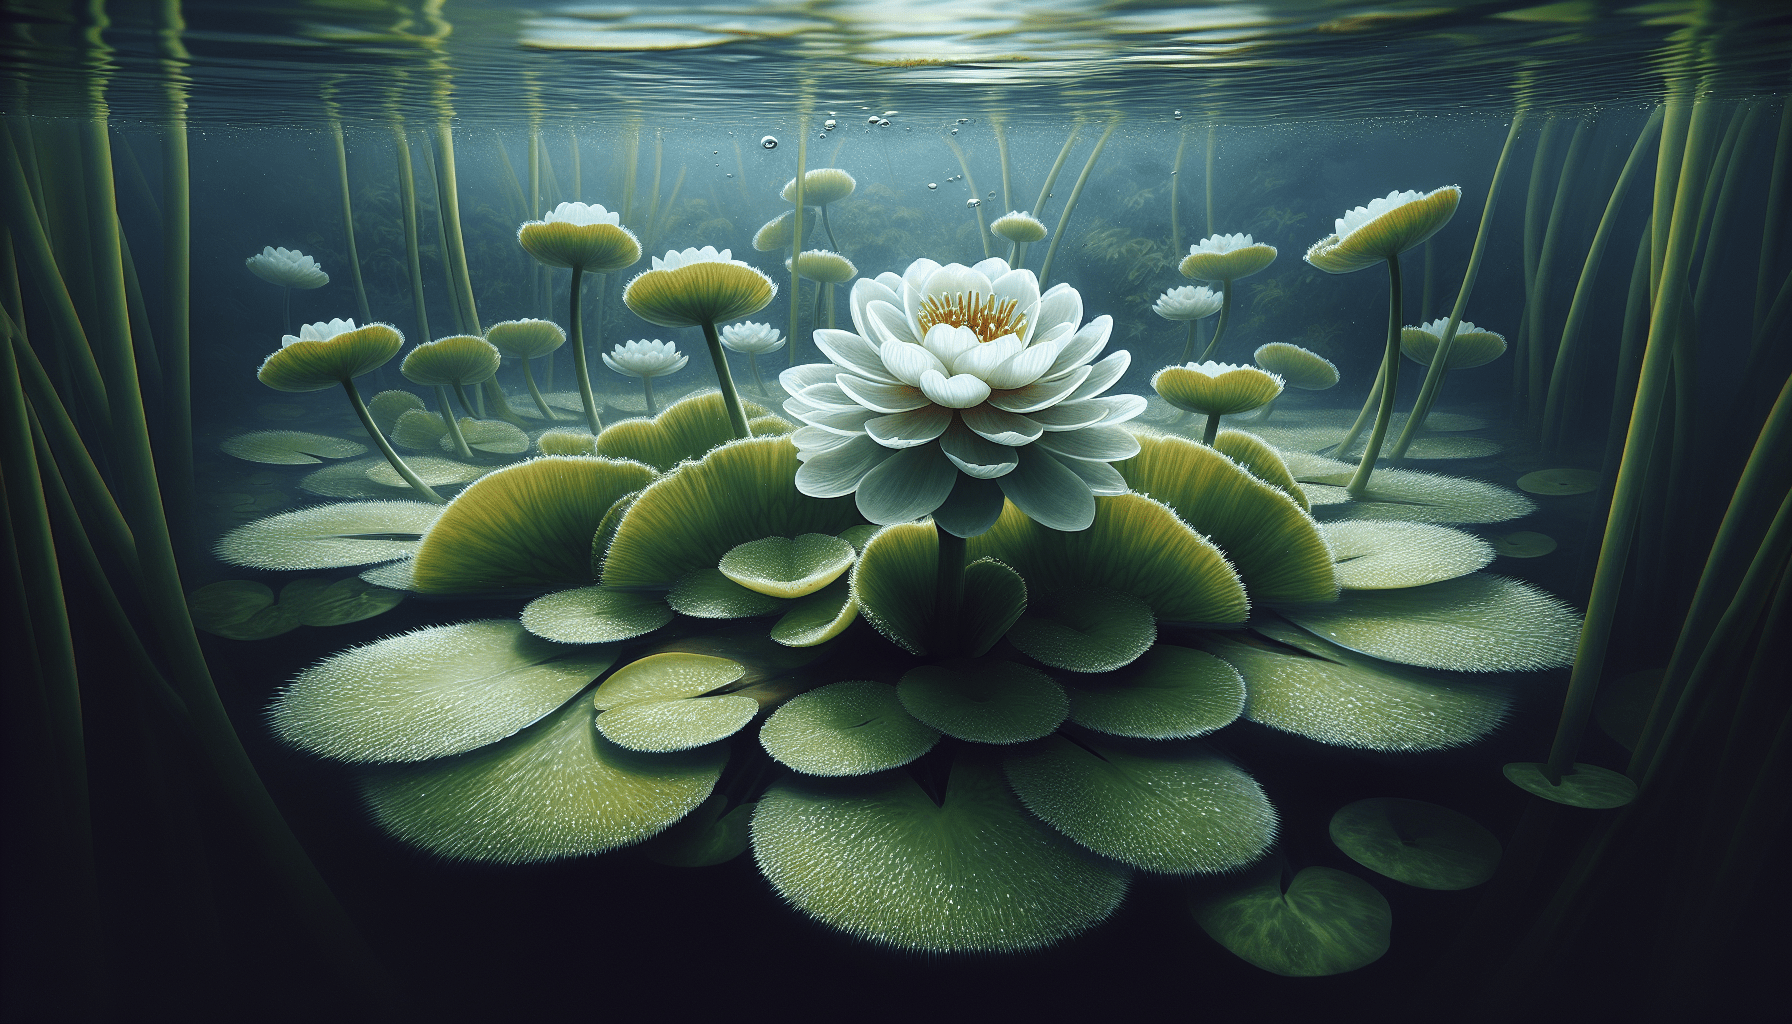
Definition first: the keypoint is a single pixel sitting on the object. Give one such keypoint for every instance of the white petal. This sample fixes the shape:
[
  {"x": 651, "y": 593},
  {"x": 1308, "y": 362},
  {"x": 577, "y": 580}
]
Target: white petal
[
  {"x": 955, "y": 279},
  {"x": 838, "y": 472},
  {"x": 1095, "y": 444},
  {"x": 827, "y": 396},
  {"x": 1071, "y": 415},
  {"x": 947, "y": 342},
  {"x": 796, "y": 378},
  {"x": 976, "y": 455},
  {"x": 1023, "y": 369},
  {"x": 884, "y": 398},
  {"x": 886, "y": 323},
  {"x": 814, "y": 440},
  {"x": 853, "y": 354},
  {"x": 864, "y": 290},
  {"x": 1102, "y": 375},
  {"x": 1049, "y": 492},
  {"x": 1002, "y": 427},
  {"x": 1083, "y": 346},
  {"x": 1041, "y": 394},
  {"x": 892, "y": 282},
  {"x": 909, "y": 484},
  {"x": 958, "y": 392},
  {"x": 840, "y": 421},
  {"x": 912, "y": 279},
  {"x": 1103, "y": 480},
  {"x": 991, "y": 267},
  {"x": 1061, "y": 304},
  {"x": 905, "y": 363},
  {"x": 1019, "y": 285},
  {"x": 982, "y": 359},
  {"x": 973, "y": 507},
  {"x": 908, "y": 429}
]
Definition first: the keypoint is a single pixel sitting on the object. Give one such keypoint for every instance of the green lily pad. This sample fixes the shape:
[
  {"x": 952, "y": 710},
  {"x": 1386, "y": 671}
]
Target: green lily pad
[
  {"x": 663, "y": 726},
  {"x": 1588, "y": 785},
  {"x": 1299, "y": 683},
  {"x": 707, "y": 594},
  {"x": 859, "y": 536},
  {"x": 594, "y": 615},
  {"x": 419, "y": 430},
  {"x": 1475, "y": 623},
  {"x": 1261, "y": 461},
  {"x": 527, "y": 525},
  {"x": 788, "y": 567},
  {"x": 320, "y": 602},
  {"x": 1415, "y": 497},
  {"x": 1084, "y": 630},
  {"x": 566, "y": 442},
  {"x": 894, "y": 585},
  {"x": 1524, "y": 544},
  {"x": 818, "y": 618},
  {"x": 346, "y": 480},
  {"x": 387, "y": 406},
  {"x": 1559, "y": 482},
  {"x": 555, "y": 790},
  {"x": 432, "y": 471},
  {"x": 1326, "y": 922},
  {"x": 1382, "y": 555},
  {"x": 688, "y": 429},
  {"x": 1452, "y": 448},
  {"x": 851, "y": 728},
  {"x": 431, "y": 692},
  {"x": 227, "y": 603},
  {"x": 330, "y": 536},
  {"x": 1415, "y": 842},
  {"x": 878, "y": 859},
  {"x": 1169, "y": 693},
  {"x": 985, "y": 700},
  {"x": 290, "y": 447},
  {"x": 495, "y": 436},
  {"x": 1174, "y": 808},
  {"x": 706, "y": 837},
  {"x": 391, "y": 576},
  {"x": 667, "y": 676}
]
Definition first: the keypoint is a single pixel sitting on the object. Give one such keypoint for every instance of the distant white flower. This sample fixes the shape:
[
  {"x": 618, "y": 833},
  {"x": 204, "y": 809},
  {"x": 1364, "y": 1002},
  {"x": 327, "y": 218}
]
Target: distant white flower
[
  {"x": 581, "y": 215},
  {"x": 752, "y": 339},
  {"x": 1016, "y": 226},
  {"x": 1189, "y": 302},
  {"x": 1386, "y": 227},
  {"x": 288, "y": 268},
  {"x": 645, "y": 358},
  {"x": 1226, "y": 258},
  {"x": 1222, "y": 243},
  {"x": 675, "y": 259},
  {"x": 323, "y": 330}
]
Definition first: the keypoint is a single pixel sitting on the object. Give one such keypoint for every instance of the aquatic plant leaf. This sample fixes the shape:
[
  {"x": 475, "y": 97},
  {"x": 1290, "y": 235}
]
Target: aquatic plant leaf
[
  {"x": 1415, "y": 842},
  {"x": 1327, "y": 922},
  {"x": 391, "y": 576},
  {"x": 1523, "y": 544},
  {"x": 705, "y": 837},
  {"x": 494, "y": 436},
  {"x": 1474, "y": 623},
  {"x": 663, "y": 726},
  {"x": 851, "y": 728},
  {"x": 431, "y": 692},
  {"x": 387, "y": 406},
  {"x": 321, "y": 602},
  {"x": 819, "y": 617},
  {"x": 1084, "y": 630},
  {"x": 1136, "y": 546},
  {"x": 1416, "y": 497},
  {"x": 878, "y": 859},
  {"x": 1270, "y": 540},
  {"x": 1382, "y": 555},
  {"x": 330, "y": 536},
  {"x": 788, "y": 566},
  {"x": 315, "y": 365},
  {"x": 527, "y": 525},
  {"x": 707, "y": 594},
  {"x": 346, "y": 480},
  {"x": 1169, "y": 693},
  {"x": 433, "y": 471},
  {"x": 671, "y": 675},
  {"x": 1588, "y": 785},
  {"x": 1175, "y": 808},
  {"x": 557, "y": 789},
  {"x": 227, "y": 603},
  {"x": 1319, "y": 690},
  {"x": 1261, "y": 461},
  {"x": 692, "y": 516},
  {"x": 1449, "y": 448},
  {"x": 687, "y": 429},
  {"x": 290, "y": 447},
  {"x": 1559, "y": 482},
  {"x": 595, "y": 615},
  {"x": 419, "y": 429},
  {"x": 984, "y": 700},
  {"x": 566, "y": 442}
]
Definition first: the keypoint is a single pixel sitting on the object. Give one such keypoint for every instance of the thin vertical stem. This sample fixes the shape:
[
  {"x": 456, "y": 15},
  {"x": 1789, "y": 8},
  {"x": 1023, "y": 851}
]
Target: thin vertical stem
[
  {"x": 1537, "y": 353},
  {"x": 1175, "y": 189},
  {"x": 796, "y": 232},
  {"x": 373, "y": 431},
  {"x": 1774, "y": 220},
  {"x": 541, "y": 404},
  {"x": 575, "y": 331},
  {"x": 177, "y": 359},
  {"x": 647, "y": 392},
  {"x": 1002, "y": 153},
  {"x": 1219, "y": 329},
  {"x": 1082, "y": 180},
  {"x": 1390, "y": 365},
  {"x": 1188, "y": 346},
  {"x": 456, "y": 248},
  {"x": 964, "y": 165},
  {"x": 407, "y": 204},
  {"x": 1045, "y": 190},
  {"x": 1212, "y": 429},
  {"x": 348, "y": 217},
  {"x": 737, "y": 419},
  {"x": 1212, "y": 133}
]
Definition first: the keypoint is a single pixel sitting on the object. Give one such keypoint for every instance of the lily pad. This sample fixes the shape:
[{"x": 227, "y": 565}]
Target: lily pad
[
  {"x": 1084, "y": 630},
  {"x": 893, "y": 583},
  {"x": 346, "y": 480},
  {"x": 879, "y": 859},
  {"x": 1415, "y": 842},
  {"x": 387, "y": 406},
  {"x": 1524, "y": 544},
  {"x": 850, "y": 728},
  {"x": 1415, "y": 497},
  {"x": 987, "y": 700},
  {"x": 1559, "y": 482},
  {"x": 707, "y": 594},
  {"x": 594, "y": 615},
  {"x": 1588, "y": 785},
  {"x": 666, "y": 676},
  {"x": 710, "y": 835},
  {"x": 1169, "y": 693},
  {"x": 788, "y": 567},
  {"x": 557, "y": 789},
  {"x": 495, "y": 436},
  {"x": 1453, "y": 448},
  {"x": 419, "y": 429},
  {"x": 227, "y": 602},
  {"x": 1382, "y": 555},
  {"x": 1475, "y": 623},
  {"x": 818, "y": 618},
  {"x": 429, "y": 469},
  {"x": 662, "y": 726},
  {"x": 1325, "y": 922},
  {"x": 431, "y": 692},
  {"x": 290, "y": 447},
  {"x": 1261, "y": 461},
  {"x": 688, "y": 429},
  {"x": 330, "y": 536},
  {"x": 1173, "y": 808},
  {"x": 321, "y": 602},
  {"x": 391, "y": 576}
]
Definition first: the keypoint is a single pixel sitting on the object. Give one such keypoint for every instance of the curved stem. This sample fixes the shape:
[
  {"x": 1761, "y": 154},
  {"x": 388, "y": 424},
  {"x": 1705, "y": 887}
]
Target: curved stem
[
  {"x": 1176, "y": 172},
  {"x": 1213, "y": 429},
  {"x": 547, "y": 413},
  {"x": 1014, "y": 252},
  {"x": 1219, "y": 329},
  {"x": 737, "y": 419},
  {"x": 348, "y": 218},
  {"x": 829, "y": 228},
  {"x": 1342, "y": 448},
  {"x": 830, "y": 304},
  {"x": 1188, "y": 346},
  {"x": 1390, "y": 365},
  {"x": 448, "y": 417},
  {"x": 647, "y": 391},
  {"x": 385, "y": 447},
  {"x": 575, "y": 328},
  {"x": 1045, "y": 269},
  {"x": 1045, "y": 190},
  {"x": 407, "y": 205},
  {"x": 460, "y": 395}
]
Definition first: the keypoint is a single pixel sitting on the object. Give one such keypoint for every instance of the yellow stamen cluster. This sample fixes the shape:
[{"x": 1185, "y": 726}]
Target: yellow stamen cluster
[{"x": 987, "y": 316}]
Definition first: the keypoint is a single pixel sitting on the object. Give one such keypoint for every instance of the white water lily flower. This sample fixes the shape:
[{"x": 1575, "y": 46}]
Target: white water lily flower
[
  {"x": 958, "y": 387},
  {"x": 288, "y": 268},
  {"x": 1383, "y": 229},
  {"x": 698, "y": 287},
  {"x": 650, "y": 358},
  {"x": 752, "y": 339},
  {"x": 323, "y": 330},
  {"x": 1226, "y": 258},
  {"x": 581, "y": 215},
  {"x": 1189, "y": 302}
]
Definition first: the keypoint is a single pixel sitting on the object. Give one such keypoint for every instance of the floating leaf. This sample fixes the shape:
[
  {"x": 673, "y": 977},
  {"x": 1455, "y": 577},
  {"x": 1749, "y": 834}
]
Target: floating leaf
[
  {"x": 788, "y": 566},
  {"x": 1415, "y": 842},
  {"x": 419, "y": 429},
  {"x": 668, "y": 676},
  {"x": 1261, "y": 461},
  {"x": 818, "y": 618},
  {"x": 893, "y": 583},
  {"x": 1453, "y": 448},
  {"x": 346, "y": 480},
  {"x": 1084, "y": 630},
  {"x": 1175, "y": 808},
  {"x": 707, "y": 594},
  {"x": 330, "y": 536},
  {"x": 387, "y": 406},
  {"x": 880, "y": 860},
  {"x": 594, "y": 615},
  {"x": 290, "y": 447},
  {"x": 431, "y": 692},
  {"x": 1415, "y": 497},
  {"x": 320, "y": 602},
  {"x": 690, "y": 428},
  {"x": 226, "y": 603},
  {"x": 706, "y": 837},
  {"x": 850, "y": 728},
  {"x": 432, "y": 471},
  {"x": 391, "y": 576},
  {"x": 985, "y": 700},
  {"x": 1475, "y": 623},
  {"x": 1524, "y": 544},
  {"x": 566, "y": 442},
  {"x": 1327, "y": 922},
  {"x": 1559, "y": 482},
  {"x": 494, "y": 436},
  {"x": 662, "y": 726},
  {"x": 1588, "y": 785},
  {"x": 1380, "y": 555},
  {"x": 1169, "y": 693}
]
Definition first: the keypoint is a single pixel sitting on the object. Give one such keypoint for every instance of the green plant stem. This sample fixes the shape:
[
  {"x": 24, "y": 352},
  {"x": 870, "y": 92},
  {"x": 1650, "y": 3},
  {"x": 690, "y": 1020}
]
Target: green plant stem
[
  {"x": 541, "y": 404},
  {"x": 1772, "y": 223},
  {"x": 737, "y": 418},
  {"x": 1212, "y": 138},
  {"x": 460, "y": 394},
  {"x": 1426, "y": 291},
  {"x": 758, "y": 381},
  {"x": 286, "y": 310},
  {"x": 379, "y": 440},
  {"x": 177, "y": 299},
  {"x": 456, "y": 248},
  {"x": 829, "y": 228},
  {"x": 1082, "y": 180},
  {"x": 1359, "y": 484},
  {"x": 407, "y": 205},
  {"x": 1370, "y": 403},
  {"x": 1537, "y": 353},
  {"x": 575, "y": 330},
  {"x": 828, "y": 301},
  {"x": 1188, "y": 344},
  {"x": 1219, "y": 329},
  {"x": 964, "y": 166},
  {"x": 1212, "y": 430},
  {"x": 1176, "y": 252},
  {"x": 348, "y": 218},
  {"x": 948, "y": 589},
  {"x": 1534, "y": 223},
  {"x": 647, "y": 392},
  {"x": 796, "y": 233},
  {"x": 1553, "y": 410},
  {"x": 1664, "y": 322},
  {"x": 1720, "y": 214},
  {"x": 1002, "y": 154},
  {"x": 1051, "y": 178},
  {"x": 1434, "y": 374}
]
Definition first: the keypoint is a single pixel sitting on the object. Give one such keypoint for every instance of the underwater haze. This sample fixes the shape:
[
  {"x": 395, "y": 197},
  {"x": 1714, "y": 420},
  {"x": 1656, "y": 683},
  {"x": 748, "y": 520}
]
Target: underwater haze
[{"x": 971, "y": 509}]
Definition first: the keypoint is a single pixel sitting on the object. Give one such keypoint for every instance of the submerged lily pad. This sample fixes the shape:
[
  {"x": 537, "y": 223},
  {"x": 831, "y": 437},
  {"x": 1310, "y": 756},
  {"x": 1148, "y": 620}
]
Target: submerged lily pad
[
  {"x": 877, "y": 858},
  {"x": 1416, "y": 497},
  {"x": 1588, "y": 785},
  {"x": 690, "y": 428},
  {"x": 1559, "y": 482},
  {"x": 290, "y": 447},
  {"x": 432, "y": 471},
  {"x": 1453, "y": 448},
  {"x": 987, "y": 700},
  {"x": 710, "y": 835},
  {"x": 419, "y": 429},
  {"x": 227, "y": 603},
  {"x": 851, "y": 728},
  {"x": 1170, "y": 693},
  {"x": 1084, "y": 630},
  {"x": 321, "y": 602},
  {"x": 788, "y": 567},
  {"x": 1415, "y": 842},
  {"x": 1524, "y": 544},
  {"x": 667, "y": 676},
  {"x": 1325, "y": 922},
  {"x": 346, "y": 480},
  {"x": 387, "y": 406},
  {"x": 595, "y": 615},
  {"x": 330, "y": 536},
  {"x": 495, "y": 436},
  {"x": 1382, "y": 555}
]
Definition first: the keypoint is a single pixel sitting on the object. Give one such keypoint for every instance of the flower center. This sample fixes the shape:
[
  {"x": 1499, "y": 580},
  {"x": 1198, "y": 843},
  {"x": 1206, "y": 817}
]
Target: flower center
[{"x": 988, "y": 317}]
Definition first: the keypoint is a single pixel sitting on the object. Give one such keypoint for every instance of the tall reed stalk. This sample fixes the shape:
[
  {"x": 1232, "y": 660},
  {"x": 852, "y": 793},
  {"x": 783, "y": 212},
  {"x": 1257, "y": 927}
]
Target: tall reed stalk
[{"x": 1082, "y": 180}]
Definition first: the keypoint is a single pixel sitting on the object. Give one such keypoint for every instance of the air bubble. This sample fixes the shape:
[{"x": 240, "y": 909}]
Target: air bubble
[
  {"x": 883, "y": 123},
  {"x": 933, "y": 184},
  {"x": 964, "y": 120},
  {"x": 889, "y": 113},
  {"x": 871, "y": 120},
  {"x": 973, "y": 201},
  {"x": 830, "y": 124},
  {"x": 769, "y": 142},
  {"x": 955, "y": 131},
  {"x": 1179, "y": 115}
]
